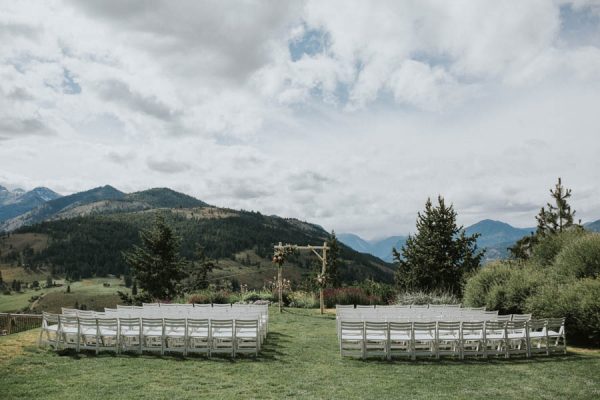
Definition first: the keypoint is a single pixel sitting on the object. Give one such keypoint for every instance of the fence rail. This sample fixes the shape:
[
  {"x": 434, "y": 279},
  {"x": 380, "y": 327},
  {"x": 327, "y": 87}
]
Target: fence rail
[{"x": 15, "y": 323}]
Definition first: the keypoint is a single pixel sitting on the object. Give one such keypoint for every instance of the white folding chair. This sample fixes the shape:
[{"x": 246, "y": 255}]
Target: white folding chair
[
  {"x": 538, "y": 339},
  {"x": 68, "y": 332},
  {"x": 352, "y": 339},
  {"x": 400, "y": 339},
  {"x": 424, "y": 340},
  {"x": 472, "y": 339},
  {"x": 555, "y": 336},
  {"x": 376, "y": 339},
  {"x": 49, "y": 332},
  {"x": 108, "y": 333},
  {"x": 175, "y": 335},
  {"x": 247, "y": 338},
  {"x": 448, "y": 339},
  {"x": 88, "y": 334},
  {"x": 495, "y": 338},
  {"x": 222, "y": 336},
  {"x": 516, "y": 338},
  {"x": 153, "y": 335},
  {"x": 198, "y": 335},
  {"x": 130, "y": 334}
]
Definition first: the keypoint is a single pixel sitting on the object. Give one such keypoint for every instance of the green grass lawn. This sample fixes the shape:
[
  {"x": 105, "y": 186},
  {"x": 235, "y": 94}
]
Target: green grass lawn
[
  {"x": 90, "y": 292},
  {"x": 300, "y": 359}
]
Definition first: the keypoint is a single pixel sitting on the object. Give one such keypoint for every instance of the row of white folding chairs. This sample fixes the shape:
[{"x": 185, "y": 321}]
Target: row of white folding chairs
[
  {"x": 409, "y": 306},
  {"x": 450, "y": 338},
  {"x": 207, "y": 336},
  {"x": 178, "y": 311},
  {"x": 172, "y": 312}
]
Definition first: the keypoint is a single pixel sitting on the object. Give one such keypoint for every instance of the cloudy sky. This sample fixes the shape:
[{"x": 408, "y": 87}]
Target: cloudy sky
[{"x": 347, "y": 114}]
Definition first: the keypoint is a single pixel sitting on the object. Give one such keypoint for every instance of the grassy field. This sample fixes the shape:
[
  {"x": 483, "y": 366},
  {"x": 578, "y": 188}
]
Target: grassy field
[
  {"x": 300, "y": 360},
  {"x": 90, "y": 292}
]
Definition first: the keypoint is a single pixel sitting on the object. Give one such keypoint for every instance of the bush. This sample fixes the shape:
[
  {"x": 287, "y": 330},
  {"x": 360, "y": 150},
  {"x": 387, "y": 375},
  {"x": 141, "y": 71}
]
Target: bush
[
  {"x": 580, "y": 258},
  {"x": 301, "y": 299},
  {"x": 209, "y": 296},
  {"x": 578, "y": 301},
  {"x": 384, "y": 291},
  {"x": 348, "y": 295},
  {"x": 503, "y": 286},
  {"x": 421, "y": 297},
  {"x": 545, "y": 251}
]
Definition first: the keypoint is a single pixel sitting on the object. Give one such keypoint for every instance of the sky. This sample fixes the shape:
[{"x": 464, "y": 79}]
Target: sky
[{"x": 348, "y": 114}]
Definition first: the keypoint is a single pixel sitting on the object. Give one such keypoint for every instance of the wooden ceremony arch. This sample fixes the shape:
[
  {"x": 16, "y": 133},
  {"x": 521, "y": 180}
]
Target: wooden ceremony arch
[{"x": 282, "y": 250}]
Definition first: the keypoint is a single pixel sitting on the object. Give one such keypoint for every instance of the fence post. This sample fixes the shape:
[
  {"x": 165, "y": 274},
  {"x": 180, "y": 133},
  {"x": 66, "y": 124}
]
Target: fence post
[{"x": 9, "y": 325}]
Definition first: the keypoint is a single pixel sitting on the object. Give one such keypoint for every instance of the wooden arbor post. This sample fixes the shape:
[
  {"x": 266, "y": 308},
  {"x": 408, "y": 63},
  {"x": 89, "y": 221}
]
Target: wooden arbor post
[{"x": 281, "y": 249}]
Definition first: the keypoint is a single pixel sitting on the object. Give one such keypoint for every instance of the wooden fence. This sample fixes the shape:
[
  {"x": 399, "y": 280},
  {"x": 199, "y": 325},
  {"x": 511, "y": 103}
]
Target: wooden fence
[{"x": 14, "y": 323}]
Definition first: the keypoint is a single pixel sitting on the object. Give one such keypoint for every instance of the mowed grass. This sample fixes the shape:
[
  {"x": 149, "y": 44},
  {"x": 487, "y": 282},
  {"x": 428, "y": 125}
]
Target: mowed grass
[
  {"x": 90, "y": 292},
  {"x": 300, "y": 360}
]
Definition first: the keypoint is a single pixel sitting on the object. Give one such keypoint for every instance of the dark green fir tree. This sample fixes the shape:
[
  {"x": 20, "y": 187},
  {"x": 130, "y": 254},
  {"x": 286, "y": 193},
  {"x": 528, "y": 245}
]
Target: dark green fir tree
[
  {"x": 157, "y": 265},
  {"x": 439, "y": 254}
]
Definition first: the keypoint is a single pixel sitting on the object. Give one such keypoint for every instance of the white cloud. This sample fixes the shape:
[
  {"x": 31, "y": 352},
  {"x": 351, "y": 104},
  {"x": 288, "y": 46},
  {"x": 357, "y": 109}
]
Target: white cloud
[{"x": 349, "y": 114}]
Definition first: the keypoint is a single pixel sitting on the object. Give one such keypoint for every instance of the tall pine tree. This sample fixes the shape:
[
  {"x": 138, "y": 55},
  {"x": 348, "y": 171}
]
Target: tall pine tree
[
  {"x": 439, "y": 254},
  {"x": 156, "y": 264},
  {"x": 554, "y": 219},
  {"x": 559, "y": 215}
]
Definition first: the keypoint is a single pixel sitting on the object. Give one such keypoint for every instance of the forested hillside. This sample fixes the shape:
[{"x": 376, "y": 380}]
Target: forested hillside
[{"x": 89, "y": 246}]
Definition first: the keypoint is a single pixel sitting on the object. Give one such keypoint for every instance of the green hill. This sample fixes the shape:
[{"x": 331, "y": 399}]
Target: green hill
[
  {"x": 241, "y": 241},
  {"x": 165, "y": 198}
]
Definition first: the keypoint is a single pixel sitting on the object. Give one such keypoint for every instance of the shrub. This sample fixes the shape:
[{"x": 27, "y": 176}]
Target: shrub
[
  {"x": 421, "y": 297},
  {"x": 348, "y": 295},
  {"x": 384, "y": 291},
  {"x": 580, "y": 258},
  {"x": 503, "y": 286},
  {"x": 302, "y": 299},
  {"x": 578, "y": 301},
  {"x": 209, "y": 296},
  {"x": 545, "y": 251}
]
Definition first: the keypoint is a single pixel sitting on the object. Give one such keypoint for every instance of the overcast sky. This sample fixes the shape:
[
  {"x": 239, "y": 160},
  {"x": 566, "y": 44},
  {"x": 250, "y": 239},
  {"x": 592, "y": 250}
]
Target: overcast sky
[{"x": 346, "y": 114}]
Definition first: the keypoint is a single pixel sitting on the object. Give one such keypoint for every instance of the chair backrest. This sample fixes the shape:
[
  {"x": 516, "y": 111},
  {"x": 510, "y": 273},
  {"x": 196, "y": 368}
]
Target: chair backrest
[
  {"x": 521, "y": 317},
  {"x": 69, "y": 321},
  {"x": 108, "y": 324},
  {"x": 556, "y": 325},
  {"x": 352, "y": 327},
  {"x": 49, "y": 319},
  {"x": 196, "y": 325},
  {"x": 175, "y": 325},
  {"x": 503, "y": 317},
  {"x": 401, "y": 305},
  {"x": 376, "y": 326},
  {"x": 346, "y": 306},
  {"x": 424, "y": 327},
  {"x": 216, "y": 305},
  {"x": 495, "y": 327},
  {"x": 197, "y": 305},
  {"x": 152, "y": 325},
  {"x": 86, "y": 314},
  {"x": 120, "y": 307},
  {"x": 419, "y": 306},
  {"x": 401, "y": 327},
  {"x": 246, "y": 324},
  {"x": 444, "y": 327},
  {"x": 88, "y": 324},
  {"x": 364, "y": 306},
  {"x": 69, "y": 311},
  {"x": 129, "y": 324},
  {"x": 151, "y": 304},
  {"x": 472, "y": 327}
]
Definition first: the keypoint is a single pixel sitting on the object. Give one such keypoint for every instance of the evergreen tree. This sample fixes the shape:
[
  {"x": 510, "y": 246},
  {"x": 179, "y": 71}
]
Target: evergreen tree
[
  {"x": 128, "y": 281},
  {"x": 199, "y": 269},
  {"x": 558, "y": 216},
  {"x": 68, "y": 288},
  {"x": 333, "y": 261},
  {"x": 439, "y": 254},
  {"x": 49, "y": 281},
  {"x": 156, "y": 264},
  {"x": 134, "y": 290}
]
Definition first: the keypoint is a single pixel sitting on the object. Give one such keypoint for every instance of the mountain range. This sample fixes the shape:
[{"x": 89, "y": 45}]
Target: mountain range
[
  {"x": 17, "y": 202},
  {"x": 495, "y": 237},
  {"x": 84, "y": 234}
]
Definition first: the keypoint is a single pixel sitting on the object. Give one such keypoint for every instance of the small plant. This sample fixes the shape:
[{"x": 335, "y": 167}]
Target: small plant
[{"x": 422, "y": 297}]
